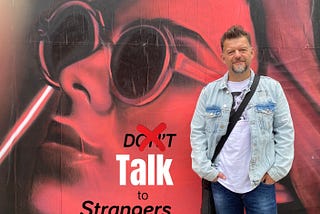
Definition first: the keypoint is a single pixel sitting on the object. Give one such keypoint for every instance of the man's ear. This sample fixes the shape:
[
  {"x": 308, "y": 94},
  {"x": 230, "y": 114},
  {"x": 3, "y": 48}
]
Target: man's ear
[
  {"x": 222, "y": 58},
  {"x": 253, "y": 52}
]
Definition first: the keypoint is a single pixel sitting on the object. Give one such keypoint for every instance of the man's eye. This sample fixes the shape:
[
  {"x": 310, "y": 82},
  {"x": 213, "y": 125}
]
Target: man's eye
[{"x": 230, "y": 52}]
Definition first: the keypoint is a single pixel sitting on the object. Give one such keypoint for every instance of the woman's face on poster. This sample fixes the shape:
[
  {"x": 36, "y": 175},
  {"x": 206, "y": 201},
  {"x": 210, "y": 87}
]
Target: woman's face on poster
[{"x": 109, "y": 105}]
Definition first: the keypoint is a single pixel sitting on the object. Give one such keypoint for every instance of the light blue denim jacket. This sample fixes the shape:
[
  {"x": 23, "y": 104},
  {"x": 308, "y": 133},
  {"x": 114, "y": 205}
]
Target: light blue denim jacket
[{"x": 271, "y": 127}]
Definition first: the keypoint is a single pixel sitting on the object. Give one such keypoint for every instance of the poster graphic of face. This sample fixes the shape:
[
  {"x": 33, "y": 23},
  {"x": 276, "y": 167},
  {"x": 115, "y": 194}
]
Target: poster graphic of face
[{"x": 100, "y": 94}]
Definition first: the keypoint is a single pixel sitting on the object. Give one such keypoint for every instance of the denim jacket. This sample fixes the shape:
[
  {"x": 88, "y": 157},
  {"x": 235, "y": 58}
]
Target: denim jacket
[{"x": 271, "y": 127}]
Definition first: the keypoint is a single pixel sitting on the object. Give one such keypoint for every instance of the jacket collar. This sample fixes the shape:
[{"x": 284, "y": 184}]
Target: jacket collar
[{"x": 224, "y": 83}]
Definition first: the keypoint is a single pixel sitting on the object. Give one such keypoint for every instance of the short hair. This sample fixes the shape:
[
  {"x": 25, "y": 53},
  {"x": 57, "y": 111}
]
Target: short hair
[{"x": 234, "y": 32}]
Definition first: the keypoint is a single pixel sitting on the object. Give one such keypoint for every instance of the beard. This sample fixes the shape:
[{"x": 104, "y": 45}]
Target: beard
[{"x": 240, "y": 68}]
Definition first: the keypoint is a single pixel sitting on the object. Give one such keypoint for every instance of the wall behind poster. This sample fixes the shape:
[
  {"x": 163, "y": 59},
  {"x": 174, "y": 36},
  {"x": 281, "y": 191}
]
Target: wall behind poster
[{"x": 121, "y": 74}]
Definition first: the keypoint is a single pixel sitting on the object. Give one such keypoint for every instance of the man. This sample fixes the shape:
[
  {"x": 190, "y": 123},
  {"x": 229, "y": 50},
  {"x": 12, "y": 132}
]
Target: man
[{"x": 259, "y": 150}]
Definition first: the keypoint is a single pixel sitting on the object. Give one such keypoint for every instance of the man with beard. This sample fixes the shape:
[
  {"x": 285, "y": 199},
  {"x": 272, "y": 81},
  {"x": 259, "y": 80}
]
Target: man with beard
[{"x": 259, "y": 150}]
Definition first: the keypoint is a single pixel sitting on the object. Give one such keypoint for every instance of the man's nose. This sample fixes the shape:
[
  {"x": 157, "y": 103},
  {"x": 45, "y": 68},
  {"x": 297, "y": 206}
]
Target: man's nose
[
  {"x": 87, "y": 82},
  {"x": 237, "y": 54}
]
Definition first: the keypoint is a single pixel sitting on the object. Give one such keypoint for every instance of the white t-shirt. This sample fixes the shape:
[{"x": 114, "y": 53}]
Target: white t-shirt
[{"x": 235, "y": 155}]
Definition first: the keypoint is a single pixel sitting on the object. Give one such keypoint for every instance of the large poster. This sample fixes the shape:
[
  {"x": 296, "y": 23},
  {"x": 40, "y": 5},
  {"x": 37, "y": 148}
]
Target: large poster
[{"x": 97, "y": 98}]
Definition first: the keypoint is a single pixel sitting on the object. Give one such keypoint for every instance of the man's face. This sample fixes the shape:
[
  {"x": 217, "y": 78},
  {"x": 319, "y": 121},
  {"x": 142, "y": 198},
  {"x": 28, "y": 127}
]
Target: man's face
[
  {"x": 78, "y": 160},
  {"x": 237, "y": 54}
]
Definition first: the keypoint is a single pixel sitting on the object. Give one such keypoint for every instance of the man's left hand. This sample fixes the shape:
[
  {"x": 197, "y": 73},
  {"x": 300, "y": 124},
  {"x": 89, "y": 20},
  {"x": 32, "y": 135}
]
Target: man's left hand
[{"x": 267, "y": 179}]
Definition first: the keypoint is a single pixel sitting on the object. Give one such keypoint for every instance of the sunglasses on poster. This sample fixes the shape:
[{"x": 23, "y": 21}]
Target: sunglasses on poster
[{"x": 144, "y": 57}]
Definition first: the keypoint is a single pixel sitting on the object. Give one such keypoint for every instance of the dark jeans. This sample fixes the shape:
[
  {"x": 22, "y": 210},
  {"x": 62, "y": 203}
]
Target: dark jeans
[{"x": 261, "y": 200}]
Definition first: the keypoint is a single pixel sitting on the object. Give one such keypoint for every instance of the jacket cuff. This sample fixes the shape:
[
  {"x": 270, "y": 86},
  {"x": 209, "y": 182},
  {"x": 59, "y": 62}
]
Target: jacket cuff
[
  {"x": 212, "y": 175},
  {"x": 275, "y": 175}
]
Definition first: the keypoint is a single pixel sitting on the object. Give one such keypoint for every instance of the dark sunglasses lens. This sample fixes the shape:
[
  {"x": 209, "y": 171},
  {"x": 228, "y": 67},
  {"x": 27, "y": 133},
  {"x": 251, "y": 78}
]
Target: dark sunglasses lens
[
  {"x": 70, "y": 38},
  {"x": 137, "y": 61}
]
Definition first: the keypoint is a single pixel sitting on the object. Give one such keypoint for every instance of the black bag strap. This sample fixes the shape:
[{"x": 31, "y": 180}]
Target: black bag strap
[{"x": 235, "y": 117}]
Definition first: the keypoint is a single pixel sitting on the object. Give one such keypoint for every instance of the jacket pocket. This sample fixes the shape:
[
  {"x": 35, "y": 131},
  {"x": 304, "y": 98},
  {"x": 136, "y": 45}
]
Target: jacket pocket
[
  {"x": 213, "y": 116},
  {"x": 265, "y": 112}
]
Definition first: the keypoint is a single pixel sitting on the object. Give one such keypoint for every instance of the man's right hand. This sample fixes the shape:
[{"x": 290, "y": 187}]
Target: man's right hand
[{"x": 220, "y": 175}]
